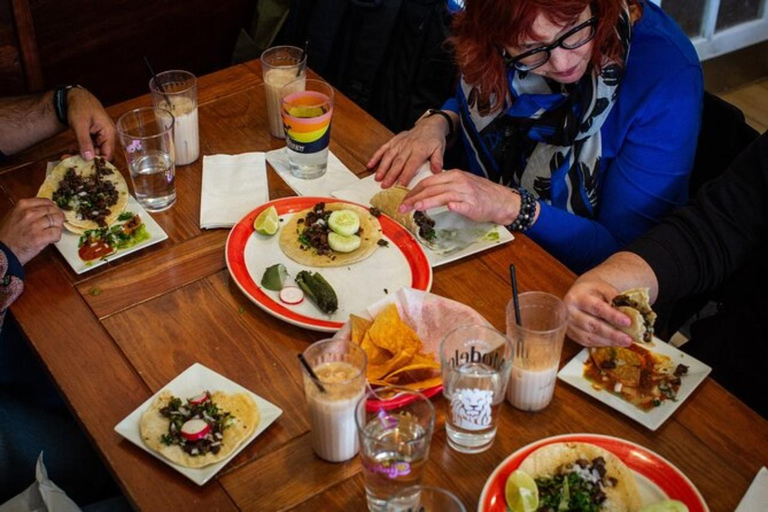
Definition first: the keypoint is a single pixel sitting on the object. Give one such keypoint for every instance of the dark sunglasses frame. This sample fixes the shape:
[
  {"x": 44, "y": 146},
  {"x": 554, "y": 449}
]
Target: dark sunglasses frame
[{"x": 515, "y": 61}]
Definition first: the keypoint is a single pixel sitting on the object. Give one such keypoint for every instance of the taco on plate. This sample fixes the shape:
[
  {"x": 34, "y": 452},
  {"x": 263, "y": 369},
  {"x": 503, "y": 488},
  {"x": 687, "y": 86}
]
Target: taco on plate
[
  {"x": 636, "y": 304},
  {"x": 581, "y": 476},
  {"x": 443, "y": 233},
  {"x": 202, "y": 431},
  {"x": 418, "y": 223},
  {"x": 330, "y": 235},
  {"x": 91, "y": 194}
]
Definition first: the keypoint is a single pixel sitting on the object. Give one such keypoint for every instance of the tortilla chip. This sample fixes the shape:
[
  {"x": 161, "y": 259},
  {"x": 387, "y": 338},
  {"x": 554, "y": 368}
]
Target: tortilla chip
[
  {"x": 360, "y": 327},
  {"x": 394, "y": 351}
]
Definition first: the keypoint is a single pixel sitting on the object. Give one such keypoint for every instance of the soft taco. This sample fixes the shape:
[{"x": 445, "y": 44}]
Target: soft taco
[
  {"x": 91, "y": 194},
  {"x": 595, "y": 477},
  {"x": 309, "y": 240},
  {"x": 202, "y": 431},
  {"x": 418, "y": 223},
  {"x": 443, "y": 233},
  {"x": 635, "y": 303}
]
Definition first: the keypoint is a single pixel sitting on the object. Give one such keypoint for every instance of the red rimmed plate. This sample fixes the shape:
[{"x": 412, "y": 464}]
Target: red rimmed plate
[
  {"x": 657, "y": 478},
  {"x": 388, "y": 269}
]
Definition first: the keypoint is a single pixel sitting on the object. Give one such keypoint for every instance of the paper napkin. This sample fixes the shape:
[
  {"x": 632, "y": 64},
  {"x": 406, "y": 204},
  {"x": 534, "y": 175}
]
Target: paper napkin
[
  {"x": 757, "y": 495},
  {"x": 233, "y": 185},
  {"x": 337, "y": 176}
]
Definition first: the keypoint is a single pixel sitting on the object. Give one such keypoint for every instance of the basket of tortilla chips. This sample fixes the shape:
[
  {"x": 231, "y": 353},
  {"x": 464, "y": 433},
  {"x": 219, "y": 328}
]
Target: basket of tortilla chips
[{"x": 401, "y": 336}]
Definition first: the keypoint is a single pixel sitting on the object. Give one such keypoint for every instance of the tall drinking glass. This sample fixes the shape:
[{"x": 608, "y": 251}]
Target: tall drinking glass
[
  {"x": 179, "y": 95},
  {"x": 475, "y": 361},
  {"x": 307, "y": 114},
  {"x": 395, "y": 434},
  {"x": 146, "y": 135},
  {"x": 538, "y": 342},
  {"x": 340, "y": 368},
  {"x": 279, "y": 66}
]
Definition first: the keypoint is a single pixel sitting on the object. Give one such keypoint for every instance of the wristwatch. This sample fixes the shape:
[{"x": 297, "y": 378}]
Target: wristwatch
[
  {"x": 60, "y": 102},
  {"x": 437, "y": 112}
]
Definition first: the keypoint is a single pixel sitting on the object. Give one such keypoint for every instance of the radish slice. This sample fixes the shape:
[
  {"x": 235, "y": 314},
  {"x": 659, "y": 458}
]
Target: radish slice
[
  {"x": 292, "y": 295},
  {"x": 200, "y": 399},
  {"x": 195, "y": 429}
]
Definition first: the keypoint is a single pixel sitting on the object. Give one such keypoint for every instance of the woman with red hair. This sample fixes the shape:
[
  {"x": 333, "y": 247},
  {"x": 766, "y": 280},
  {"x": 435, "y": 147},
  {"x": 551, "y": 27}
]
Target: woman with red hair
[{"x": 578, "y": 121}]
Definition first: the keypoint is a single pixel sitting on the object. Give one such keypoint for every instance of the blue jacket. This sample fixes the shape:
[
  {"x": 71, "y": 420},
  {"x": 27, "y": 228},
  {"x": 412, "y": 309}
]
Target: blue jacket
[{"x": 649, "y": 143}]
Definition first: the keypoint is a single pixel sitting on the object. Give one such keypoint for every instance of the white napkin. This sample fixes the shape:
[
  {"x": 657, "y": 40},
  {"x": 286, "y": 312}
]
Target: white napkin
[
  {"x": 362, "y": 191},
  {"x": 233, "y": 185},
  {"x": 336, "y": 176},
  {"x": 757, "y": 495},
  {"x": 42, "y": 496}
]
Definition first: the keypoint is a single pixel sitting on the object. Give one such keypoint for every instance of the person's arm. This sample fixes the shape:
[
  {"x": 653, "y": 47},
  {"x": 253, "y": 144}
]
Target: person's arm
[
  {"x": 646, "y": 180},
  {"x": 591, "y": 318},
  {"x": 27, "y": 120},
  {"x": 695, "y": 249}
]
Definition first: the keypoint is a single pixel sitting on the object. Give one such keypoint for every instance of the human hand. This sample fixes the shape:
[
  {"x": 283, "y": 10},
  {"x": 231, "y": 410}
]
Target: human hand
[
  {"x": 30, "y": 226},
  {"x": 591, "y": 319},
  {"x": 400, "y": 158},
  {"x": 474, "y": 197},
  {"x": 94, "y": 129}
]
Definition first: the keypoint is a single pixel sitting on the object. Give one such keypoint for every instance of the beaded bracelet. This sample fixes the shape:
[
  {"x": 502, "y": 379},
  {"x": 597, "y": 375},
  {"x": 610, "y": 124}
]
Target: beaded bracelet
[
  {"x": 60, "y": 107},
  {"x": 527, "y": 212}
]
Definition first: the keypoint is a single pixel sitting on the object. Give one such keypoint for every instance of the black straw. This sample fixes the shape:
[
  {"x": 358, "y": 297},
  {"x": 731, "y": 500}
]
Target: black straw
[
  {"x": 311, "y": 373},
  {"x": 302, "y": 58},
  {"x": 514, "y": 292},
  {"x": 157, "y": 82}
]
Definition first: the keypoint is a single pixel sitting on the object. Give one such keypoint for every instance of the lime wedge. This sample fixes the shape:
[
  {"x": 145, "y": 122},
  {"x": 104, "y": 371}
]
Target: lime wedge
[
  {"x": 267, "y": 222},
  {"x": 666, "y": 506},
  {"x": 521, "y": 492},
  {"x": 274, "y": 277}
]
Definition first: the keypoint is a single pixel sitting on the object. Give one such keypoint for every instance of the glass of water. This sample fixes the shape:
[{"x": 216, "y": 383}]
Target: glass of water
[
  {"x": 146, "y": 135},
  {"x": 475, "y": 362},
  {"x": 395, "y": 434},
  {"x": 307, "y": 108}
]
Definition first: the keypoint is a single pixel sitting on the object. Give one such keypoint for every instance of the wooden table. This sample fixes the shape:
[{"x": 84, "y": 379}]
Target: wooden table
[{"x": 113, "y": 336}]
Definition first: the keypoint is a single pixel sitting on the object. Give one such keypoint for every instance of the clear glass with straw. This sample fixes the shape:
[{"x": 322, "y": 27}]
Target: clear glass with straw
[
  {"x": 334, "y": 382},
  {"x": 536, "y": 325}
]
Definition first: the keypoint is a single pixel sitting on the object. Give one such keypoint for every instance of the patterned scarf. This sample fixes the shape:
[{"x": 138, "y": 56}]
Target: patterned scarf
[{"x": 547, "y": 132}]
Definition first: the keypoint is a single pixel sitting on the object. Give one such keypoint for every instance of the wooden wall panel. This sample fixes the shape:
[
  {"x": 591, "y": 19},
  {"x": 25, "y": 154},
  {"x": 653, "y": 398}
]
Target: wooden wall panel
[
  {"x": 100, "y": 44},
  {"x": 11, "y": 72}
]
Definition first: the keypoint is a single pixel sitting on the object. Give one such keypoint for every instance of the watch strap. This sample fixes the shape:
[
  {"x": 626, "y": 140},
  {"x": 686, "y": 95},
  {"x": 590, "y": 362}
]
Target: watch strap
[{"x": 437, "y": 112}]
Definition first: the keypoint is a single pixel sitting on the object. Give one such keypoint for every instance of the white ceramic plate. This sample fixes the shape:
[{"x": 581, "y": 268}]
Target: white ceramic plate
[
  {"x": 68, "y": 245},
  {"x": 362, "y": 191},
  {"x": 573, "y": 374},
  {"x": 191, "y": 382}
]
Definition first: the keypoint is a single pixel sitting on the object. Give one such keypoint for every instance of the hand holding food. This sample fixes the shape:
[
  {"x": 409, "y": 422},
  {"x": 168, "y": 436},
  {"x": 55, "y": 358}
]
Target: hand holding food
[
  {"x": 30, "y": 226},
  {"x": 462, "y": 192},
  {"x": 592, "y": 321},
  {"x": 400, "y": 158}
]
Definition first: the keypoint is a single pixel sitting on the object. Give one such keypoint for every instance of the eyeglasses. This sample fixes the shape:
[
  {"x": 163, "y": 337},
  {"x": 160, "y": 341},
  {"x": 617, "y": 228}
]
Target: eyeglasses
[{"x": 578, "y": 36}]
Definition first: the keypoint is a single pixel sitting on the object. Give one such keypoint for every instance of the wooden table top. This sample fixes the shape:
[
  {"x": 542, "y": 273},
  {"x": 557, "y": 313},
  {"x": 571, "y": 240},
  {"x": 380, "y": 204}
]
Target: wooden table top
[{"x": 113, "y": 336}]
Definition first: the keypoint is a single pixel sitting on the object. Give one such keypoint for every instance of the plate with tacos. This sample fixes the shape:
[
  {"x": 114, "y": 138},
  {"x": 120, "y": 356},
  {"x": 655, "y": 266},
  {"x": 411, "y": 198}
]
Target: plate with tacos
[
  {"x": 446, "y": 236},
  {"x": 102, "y": 220},
  {"x": 323, "y": 260},
  {"x": 198, "y": 422},
  {"x": 605, "y": 472}
]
